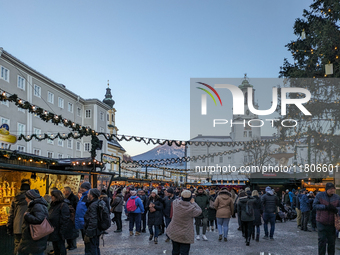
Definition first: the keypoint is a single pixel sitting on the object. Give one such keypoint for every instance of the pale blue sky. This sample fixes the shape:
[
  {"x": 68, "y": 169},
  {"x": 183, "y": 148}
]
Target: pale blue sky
[{"x": 149, "y": 50}]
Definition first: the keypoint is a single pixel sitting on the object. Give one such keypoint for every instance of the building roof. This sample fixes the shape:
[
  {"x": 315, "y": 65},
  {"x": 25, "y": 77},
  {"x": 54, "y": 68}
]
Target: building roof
[{"x": 116, "y": 144}]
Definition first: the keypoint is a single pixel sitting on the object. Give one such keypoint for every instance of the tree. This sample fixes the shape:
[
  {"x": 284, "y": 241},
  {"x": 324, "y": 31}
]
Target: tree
[{"x": 318, "y": 44}]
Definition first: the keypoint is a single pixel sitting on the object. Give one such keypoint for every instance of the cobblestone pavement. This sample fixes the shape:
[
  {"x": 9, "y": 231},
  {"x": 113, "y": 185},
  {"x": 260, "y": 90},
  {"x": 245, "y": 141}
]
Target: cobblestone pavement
[{"x": 289, "y": 240}]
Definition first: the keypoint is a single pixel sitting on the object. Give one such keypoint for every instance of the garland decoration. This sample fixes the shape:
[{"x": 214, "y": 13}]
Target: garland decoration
[{"x": 16, "y": 155}]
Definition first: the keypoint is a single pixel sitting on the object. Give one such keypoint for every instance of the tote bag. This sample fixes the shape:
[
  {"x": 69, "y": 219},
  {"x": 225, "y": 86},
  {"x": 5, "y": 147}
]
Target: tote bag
[{"x": 39, "y": 231}]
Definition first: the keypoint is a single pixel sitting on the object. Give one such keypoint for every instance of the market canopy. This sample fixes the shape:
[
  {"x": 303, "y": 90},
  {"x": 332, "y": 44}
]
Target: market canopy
[{"x": 231, "y": 179}]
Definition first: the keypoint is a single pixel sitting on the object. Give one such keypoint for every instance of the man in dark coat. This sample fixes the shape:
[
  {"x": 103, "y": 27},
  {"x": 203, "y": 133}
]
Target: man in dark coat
[
  {"x": 143, "y": 197},
  {"x": 167, "y": 208},
  {"x": 117, "y": 209},
  {"x": 16, "y": 214},
  {"x": 91, "y": 230},
  {"x": 270, "y": 203},
  {"x": 35, "y": 214},
  {"x": 72, "y": 200},
  {"x": 202, "y": 199}
]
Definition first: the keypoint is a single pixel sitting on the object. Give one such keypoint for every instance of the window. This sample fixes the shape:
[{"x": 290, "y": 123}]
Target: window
[
  {"x": 250, "y": 157},
  {"x": 21, "y": 148},
  {"x": 21, "y": 110},
  {"x": 61, "y": 102},
  {"x": 203, "y": 160},
  {"x": 21, "y": 82},
  {"x": 70, "y": 107},
  {"x": 69, "y": 144},
  {"x": 87, "y": 113},
  {"x": 229, "y": 158},
  {"x": 37, "y": 90},
  {"x": 37, "y": 131},
  {"x": 221, "y": 159},
  {"x": 36, "y": 152},
  {"x": 245, "y": 159},
  {"x": 4, "y": 146},
  {"x": 49, "y": 141},
  {"x": 4, "y": 74},
  {"x": 21, "y": 129},
  {"x": 244, "y": 133},
  {"x": 79, "y": 112},
  {"x": 68, "y": 156},
  {"x": 50, "y": 97},
  {"x": 50, "y": 154},
  {"x": 87, "y": 146},
  {"x": 60, "y": 142},
  {"x": 60, "y": 155},
  {"x": 101, "y": 116},
  {"x": 107, "y": 117},
  {"x": 212, "y": 159},
  {"x": 250, "y": 133},
  {"x": 6, "y": 103},
  {"x": 4, "y": 121},
  {"x": 78, "y": 146}
]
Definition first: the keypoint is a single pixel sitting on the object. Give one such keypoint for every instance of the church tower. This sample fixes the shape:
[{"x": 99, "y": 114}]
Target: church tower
[
  {"x": 240, "y": 130},
  {"x": 111, "y": 114}
]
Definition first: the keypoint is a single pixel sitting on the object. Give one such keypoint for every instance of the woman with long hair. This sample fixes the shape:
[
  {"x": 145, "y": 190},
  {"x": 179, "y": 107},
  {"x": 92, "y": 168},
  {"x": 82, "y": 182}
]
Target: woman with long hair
[
  {"x": 258, "y": 211},
  {"x": 154, "y": 206}
]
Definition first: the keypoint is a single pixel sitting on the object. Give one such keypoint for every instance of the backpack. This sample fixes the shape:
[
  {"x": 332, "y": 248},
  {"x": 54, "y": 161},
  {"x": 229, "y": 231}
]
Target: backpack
[
  {"x": 104, "y": 219},
  {"x": 131, "y": 204},
  {"x": 250, "y": 208},
  {"x": 72, "y": 212}
]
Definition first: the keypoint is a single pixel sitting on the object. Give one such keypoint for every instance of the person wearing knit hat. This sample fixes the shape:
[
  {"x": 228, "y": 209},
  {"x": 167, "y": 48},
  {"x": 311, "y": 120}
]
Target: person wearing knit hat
[
  {"x": 35, "y": 214},
  {"x": 16, "y": 214},
  {"x": 155, "y": 191},
  {"x": 202, "y": 199},
  {"x": 270, "y": 203},
  {"x": 134, "y": 208},
  {"x": 117, "y": 208},
  {"x": 95, "y": 193},
  {"x": 181, "y": 229},
  {"x": 167, "y": 208},
  {"x": 81, "y": 207},
  {"x": 327, "y": 205},
  {"x": 133, "y": 192}
]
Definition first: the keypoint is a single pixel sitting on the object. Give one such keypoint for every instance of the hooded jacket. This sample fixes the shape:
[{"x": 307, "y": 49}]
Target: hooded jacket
[
  {"x": 181, "y": 227},
  {"x": 203, "y": 201},
  {"x": 155, "y": 218},
  {"x": 117, "y": 203},
  {"x": 241, "y": 208},
  {"x": 320, "y": 202},
  {"x": 224, "y": 205},
  {"x": 59, "y": 217},
  {"x": 258, "y": 210},
  {"x": 91, "y": 219},
  {"x": 80, "y": 211},
  {"x": 270, "y": 202},
  {"x": 16, "y": 213},
  {"x": 305, "y": 203},
  {"x": 37, "y": 212}
]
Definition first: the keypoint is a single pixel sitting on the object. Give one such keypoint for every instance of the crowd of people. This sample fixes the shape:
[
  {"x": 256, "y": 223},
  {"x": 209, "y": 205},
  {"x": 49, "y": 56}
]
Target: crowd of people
[{"x": 175, "y": 212}]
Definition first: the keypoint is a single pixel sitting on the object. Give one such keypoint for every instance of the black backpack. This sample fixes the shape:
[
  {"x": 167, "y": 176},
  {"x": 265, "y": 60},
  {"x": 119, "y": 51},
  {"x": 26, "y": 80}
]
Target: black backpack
[
  {"x": 104, "y": 219},
  {"x": 250, "y": 208}
]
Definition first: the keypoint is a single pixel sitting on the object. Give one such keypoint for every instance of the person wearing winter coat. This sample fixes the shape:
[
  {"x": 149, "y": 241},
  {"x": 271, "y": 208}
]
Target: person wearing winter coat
[
  {"x": 224, "y": 206},
  {"x": 72, "y": 200},
  {"x": 144, "y": 198},
  {"x": 327, "y": 205},
  {"x": 245, "y": 210},
  {"x": 202, "y": 199},
  {"x": 167, "y": 201},
  {"x": 296, "y": 204},
  {"x": 270, "y": 202},
  {"x": 16, "y": 215},
  {"x": 59, "y": 217},
  {"x": 81, "y": 207},
  {"x": 258, "y": 211},
  {"x": 212, "y": 222},
  {"x": 117, "y": 209},
  {"x": 181, "y": 229},
  {"x": 154, "y": 207},
  {"x": 105, "y": 198},
  {"x": 134, "y": 216},
  {"x": 305, "y": 210},
  {"x": 36, "y": 213}
]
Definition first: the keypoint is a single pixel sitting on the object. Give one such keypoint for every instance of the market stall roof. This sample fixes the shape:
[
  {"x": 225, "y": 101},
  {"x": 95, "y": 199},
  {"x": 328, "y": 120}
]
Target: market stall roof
[
  {"x": 205, "y": 184},
  {"x": 229, "y": 177}
]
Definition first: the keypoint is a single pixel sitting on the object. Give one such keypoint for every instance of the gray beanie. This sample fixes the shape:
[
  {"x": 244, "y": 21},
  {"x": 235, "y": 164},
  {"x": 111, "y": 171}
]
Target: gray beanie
[
  {"x": 95, "y": 192},
  {"x": 86, "y": 185}
]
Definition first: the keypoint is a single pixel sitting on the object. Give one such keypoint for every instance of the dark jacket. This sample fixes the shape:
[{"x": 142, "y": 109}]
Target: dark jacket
[
  {"x": 211, "y": 211},
  {"x": 270, "y": 203},
  {"x": 296, "y": 201},
  {"x": 167, "y": 205},
  {"x": 59, "y": 217},
  {"x": 91, "y": 219},
  {"x": 144, "y": 199},
  {"x": 16, "y": 214},
  {"x": 305, "y": 203},
  {"x": 321, "y": 200},
  {"x": 117, "y": 203},
  {"x": 241, "y": 208},
  {"x": 71, "y": 231},
  {"x": 73, "y": 200},
  {"x": 155, "y": 218},
  {"x": 37, "y": 212},
  {"x": 105, "y": 198},
  {"x": 80, "y": 211},
  {"x": 203, "y": 202},
  {"x": 258, "y": 210}
]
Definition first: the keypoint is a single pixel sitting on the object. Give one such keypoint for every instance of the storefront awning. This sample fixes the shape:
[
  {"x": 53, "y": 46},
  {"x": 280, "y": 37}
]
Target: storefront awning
[{"x": 229, "y": 177}]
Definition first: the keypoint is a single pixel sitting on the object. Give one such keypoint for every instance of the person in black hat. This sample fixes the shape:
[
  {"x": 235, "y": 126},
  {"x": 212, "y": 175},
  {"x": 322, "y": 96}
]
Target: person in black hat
[
  {"x": 167, "y": 208},
  {"x": 16, "y": 214},
  {"x": 202, "y": 199},
  {"x": 327, "y": 205}
]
